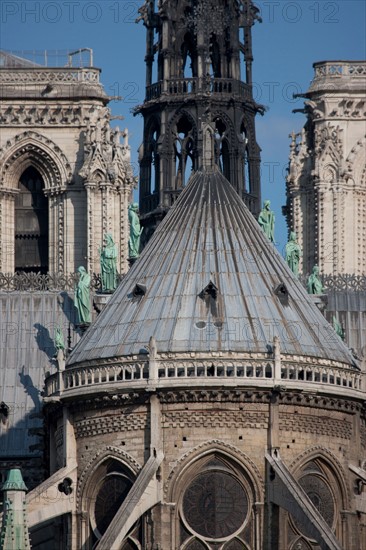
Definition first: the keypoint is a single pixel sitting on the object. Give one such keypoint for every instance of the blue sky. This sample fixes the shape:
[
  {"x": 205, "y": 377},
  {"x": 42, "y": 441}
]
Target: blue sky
[{"x": 292, "y": 36}]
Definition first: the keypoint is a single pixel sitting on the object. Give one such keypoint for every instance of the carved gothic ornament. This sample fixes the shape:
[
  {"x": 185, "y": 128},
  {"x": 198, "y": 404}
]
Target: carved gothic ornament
[
  {"x": 235, "y": 455},
  {"x": 44, "y": 75},
  {"x": 245, "y": 395},
  {"x": 354, "y": 283},
  {"x": 114, "y": 400},
  {"x": 51, "y": 282},
  {"x": 320, "y": 452},
  {"x": 33, "y": 149},
  {"x": 356, "y": 163},
  {"x": 87, "y": 475},
  {"x": 315, "y": 109},
  {"x": 313, "y": 400},
  {"x": 106, "y": 160},
  {"x": 210, "y": 395},
  {"x": 349, "y": 109},
  {"x": 45, "y": 115},
  {"x": 328, "y": 143}
]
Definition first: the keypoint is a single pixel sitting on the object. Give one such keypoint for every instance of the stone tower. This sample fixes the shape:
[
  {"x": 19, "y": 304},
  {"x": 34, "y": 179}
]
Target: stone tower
[
  {"x": 198, "y": 69},
  {"x": 65, "y": 183},
  {"x": 326, "y": 192},
  {"x": 326, "y": 184},
  {"x": 65, "y": 179}
]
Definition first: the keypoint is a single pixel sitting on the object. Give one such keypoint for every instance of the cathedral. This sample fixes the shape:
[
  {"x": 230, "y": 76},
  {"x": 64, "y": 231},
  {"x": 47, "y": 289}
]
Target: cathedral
[{"x": 197, "y": 397}]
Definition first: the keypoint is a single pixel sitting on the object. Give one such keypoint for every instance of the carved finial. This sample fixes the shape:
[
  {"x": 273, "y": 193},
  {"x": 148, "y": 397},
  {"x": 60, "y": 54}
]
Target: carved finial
[
  {"x": 153, "y": 351},
  {"x": 276, "y": 348},
  {"x": 208, "y": 157}
]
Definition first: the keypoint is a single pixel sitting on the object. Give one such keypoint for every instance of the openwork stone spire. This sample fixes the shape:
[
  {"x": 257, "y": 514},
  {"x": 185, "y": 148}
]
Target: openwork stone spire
[{"x": 198, "y": 59}]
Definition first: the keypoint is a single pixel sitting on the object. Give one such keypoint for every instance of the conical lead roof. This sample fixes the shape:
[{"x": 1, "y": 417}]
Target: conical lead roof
[{"x": 210, "y": 281}]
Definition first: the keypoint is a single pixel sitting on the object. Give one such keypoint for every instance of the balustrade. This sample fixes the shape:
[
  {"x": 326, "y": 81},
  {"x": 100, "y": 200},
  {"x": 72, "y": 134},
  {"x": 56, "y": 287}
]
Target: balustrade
[
  {"x": 183, "y": 86},
  {"x": 47, "y": 75},
  {"x": 241, "y": 373},
  {"x": 339, "y": 69}
]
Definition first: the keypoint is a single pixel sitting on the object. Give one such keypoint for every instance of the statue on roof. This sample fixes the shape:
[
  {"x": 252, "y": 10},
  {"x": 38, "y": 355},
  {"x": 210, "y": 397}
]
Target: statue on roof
[
  {"x": 293, "y": 253},
  {"x": 108, "y": 264},
  {"x": 82, "y": 296},
  {"x": 338, "y": 328},
  {"x": 60, "y": 348},
  {"x": 314, "y": 283},
  {"x": 135, "y": 231},
  {"x": 59, "y": 339},
  {"x": 266, "y": 220}
]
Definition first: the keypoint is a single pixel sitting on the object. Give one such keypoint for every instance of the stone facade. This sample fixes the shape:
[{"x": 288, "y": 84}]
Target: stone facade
[
  {"x": 223, "y": 431},
  {"x": 326, "y": 185},
  {"x": 56, "y": 123},
  {"x": 326, "y": 192}
]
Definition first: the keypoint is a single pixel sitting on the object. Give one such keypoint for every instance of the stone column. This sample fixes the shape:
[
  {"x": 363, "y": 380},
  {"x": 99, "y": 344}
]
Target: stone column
[
  {"x": 90, "y": 193},
  {"x": 7, "y": 230}
]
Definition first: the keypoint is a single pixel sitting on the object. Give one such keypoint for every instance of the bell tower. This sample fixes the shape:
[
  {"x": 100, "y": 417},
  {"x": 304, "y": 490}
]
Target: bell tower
[{"x": 198, "y": 70}]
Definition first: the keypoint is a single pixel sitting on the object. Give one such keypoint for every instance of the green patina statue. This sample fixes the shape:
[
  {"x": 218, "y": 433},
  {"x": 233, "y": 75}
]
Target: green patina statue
[
  {"x": 314, "y": 283},
  {"x": 135, "y": 231},
  {"x": 338, "y": 328},
  {"x": 293, "y": 253},
  {"x": 266, "y": 220},
  {"x": 108, "y": 264},
  {"x": 82, "y": 296},
  {"x": 59, "y": 339}
]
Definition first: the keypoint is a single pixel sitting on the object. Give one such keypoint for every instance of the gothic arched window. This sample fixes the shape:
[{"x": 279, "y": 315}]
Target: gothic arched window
[
  {"x": 183, "y": 149},
  {"x": 31, "y": 223},
  {"x": 155, "y": 162},
  {"x": 322, "y": 487},
  {"x": 189, "y": 57},
  {"x": 215, "y": 57},
  {"x": 108, "y": 490},
  {"x": 215, "y": 508},
  {"x": 245, "y": 160},
  {"x": 222, "y": 154}
]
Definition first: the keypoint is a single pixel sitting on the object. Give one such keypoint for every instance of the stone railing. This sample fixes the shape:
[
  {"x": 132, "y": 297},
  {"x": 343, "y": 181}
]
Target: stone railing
[
  {"x": 338, "y": 69},
  {"x": 38, "y": 282},
  {"x": 46, "y": 75},
  {"x": 183, "y": 373},
  {"x": 22, "y": 281},
  {"x": 184, "y": 86},
  {"x": 345, "y": 282},
  {"x": 355, "y": 283}
]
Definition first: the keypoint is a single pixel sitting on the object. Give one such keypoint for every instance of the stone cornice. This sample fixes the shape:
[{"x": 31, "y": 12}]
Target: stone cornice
[{"x": 242, "y": 397}]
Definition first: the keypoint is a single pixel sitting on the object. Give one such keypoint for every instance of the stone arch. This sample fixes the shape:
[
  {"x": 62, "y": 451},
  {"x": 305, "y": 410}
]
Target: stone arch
[
  {"x": 322, "y": 453},
  {"x": 183, "y": 139},
  {"x": 94, "y": 464},
  {"x": 152, "y": 154},
  {"x": 321, "y": 476},
  {"x": 188, "y": 50},
  {"x": 32, "y": 149},
  {"x": 215, "y": 469},
  {"x": 245, "y": 124},
  {"x": 356, "y": 163},
  {"x": 174, "y": 122},
  {"x": 105, "y": 481},
  {"x": 328, "y": 172},
  {"x": 205, "y": 449},
  {"x": 230, "y": 130}
]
